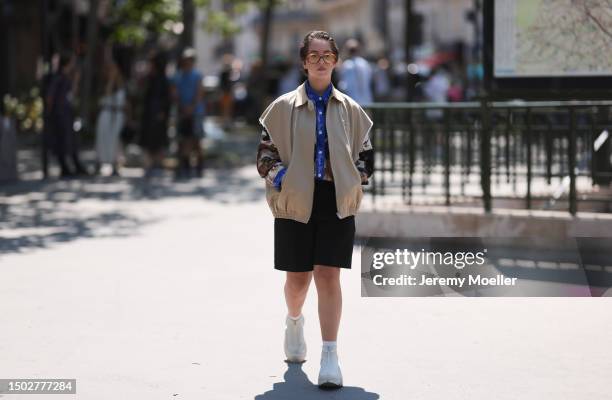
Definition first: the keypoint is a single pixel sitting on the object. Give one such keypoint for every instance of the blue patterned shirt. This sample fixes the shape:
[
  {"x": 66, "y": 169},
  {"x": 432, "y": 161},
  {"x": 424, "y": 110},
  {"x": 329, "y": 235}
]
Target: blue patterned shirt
[{"x": 321, "y": 147}]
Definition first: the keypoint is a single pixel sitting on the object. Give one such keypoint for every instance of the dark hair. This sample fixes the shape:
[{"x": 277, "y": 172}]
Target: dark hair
[
  {"x": 352, "y": 45},
  {"x": 159, "y": 61},
  {"x": 64, "y": 59},
  {"x": 312, "y": 35}
]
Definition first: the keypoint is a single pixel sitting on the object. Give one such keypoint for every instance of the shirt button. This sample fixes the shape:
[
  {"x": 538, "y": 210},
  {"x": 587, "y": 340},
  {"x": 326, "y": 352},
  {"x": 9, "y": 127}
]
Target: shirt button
[
  {"x": 320, "y": 152},
  {"x": 320, "y": 112},
  {"x": 320, "y": 98}
]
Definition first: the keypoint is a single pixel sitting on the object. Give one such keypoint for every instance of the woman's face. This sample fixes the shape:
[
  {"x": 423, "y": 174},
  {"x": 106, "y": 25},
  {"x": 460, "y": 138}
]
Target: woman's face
[{"x": 317, "y": 67}]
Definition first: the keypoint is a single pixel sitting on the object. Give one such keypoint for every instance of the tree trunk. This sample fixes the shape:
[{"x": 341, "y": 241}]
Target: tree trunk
[
  {"x": 383, "y": 20},
  {"x": 265, "y": 34},
  {"x": 88, "y": 73},
  {"x": 261, "y": 89},
  {"x": 188, "y": 23}
]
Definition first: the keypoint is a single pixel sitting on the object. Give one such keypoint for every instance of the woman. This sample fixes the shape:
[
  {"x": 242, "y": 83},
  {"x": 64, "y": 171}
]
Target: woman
[
  {"x": 227, "y": 78},
  {"x": 111, "y": 119},
  {"x": 156, "y": 109},
  {"x": 314, "y": 198},
  {"x": 60, "y": 115}
]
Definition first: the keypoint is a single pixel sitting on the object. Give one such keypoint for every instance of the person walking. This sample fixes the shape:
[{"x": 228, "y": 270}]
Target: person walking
[
  {"x": 111, "y": 119},
  {"x": 188, "y": 95},
  {"x": 314, "y": 197},
  {"x": 227, "y": 78},
  {"x": 60, "y": 106},
  {"x": 47, "y": 142},
  {"x": 156, "y": 110},
  {"x": 8, "y": 146},
  {"x": 356, "y": 75}
]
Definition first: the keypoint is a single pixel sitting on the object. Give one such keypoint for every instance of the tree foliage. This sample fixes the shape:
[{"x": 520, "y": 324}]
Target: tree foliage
[{"x": 133, "y": 21}]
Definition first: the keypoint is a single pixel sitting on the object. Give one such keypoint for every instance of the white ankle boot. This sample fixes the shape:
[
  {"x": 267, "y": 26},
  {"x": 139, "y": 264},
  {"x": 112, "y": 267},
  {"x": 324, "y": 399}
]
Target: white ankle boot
[
  {"x": 330, "y": 375},
  {"x": 295, "y": 346}
]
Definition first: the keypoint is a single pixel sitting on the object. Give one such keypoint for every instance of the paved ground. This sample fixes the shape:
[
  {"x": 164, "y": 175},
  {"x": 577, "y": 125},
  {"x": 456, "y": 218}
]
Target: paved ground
[{"x": 165, "y": 290}]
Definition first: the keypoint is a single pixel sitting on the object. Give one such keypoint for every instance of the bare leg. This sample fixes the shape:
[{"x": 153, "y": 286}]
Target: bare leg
[
  {"x": 327, "y": 281},
  {"x": 183, "y": 157},
  {"x": 196, "y": 149},
  {"x": 296, "y": 288}
]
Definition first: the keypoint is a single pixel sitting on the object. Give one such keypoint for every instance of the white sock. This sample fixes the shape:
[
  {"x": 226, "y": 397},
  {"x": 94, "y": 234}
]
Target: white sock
[
  {"x": 329, "y": 345},
  {"x": 295, "y": 318}
]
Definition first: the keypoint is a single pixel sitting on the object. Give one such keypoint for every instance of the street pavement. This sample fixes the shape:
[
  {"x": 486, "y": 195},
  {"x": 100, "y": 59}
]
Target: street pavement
[{"x": 157, "y": 289}]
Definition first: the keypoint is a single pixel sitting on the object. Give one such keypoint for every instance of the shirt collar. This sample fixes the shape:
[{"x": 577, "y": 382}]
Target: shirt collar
[
  {"x": 302, "y": 96},
  {"x": 314, "y": 96}
]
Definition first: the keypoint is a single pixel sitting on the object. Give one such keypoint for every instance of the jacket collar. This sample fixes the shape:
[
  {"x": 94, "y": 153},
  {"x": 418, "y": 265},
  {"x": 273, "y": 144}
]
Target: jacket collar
[{"x": 302, "y": 96}]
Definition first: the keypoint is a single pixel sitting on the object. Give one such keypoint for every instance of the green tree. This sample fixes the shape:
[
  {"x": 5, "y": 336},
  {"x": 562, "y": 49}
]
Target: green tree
[
  {"x": 224, "y": 21},
  {"x": 134, "y": 21}
]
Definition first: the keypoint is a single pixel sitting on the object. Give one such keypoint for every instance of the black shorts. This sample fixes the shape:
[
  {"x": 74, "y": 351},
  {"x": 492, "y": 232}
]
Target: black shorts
[
  {"x": 190, "y": 127},
  {"x": 324, "y": 240},
  {"x": 185, "y": 127}
]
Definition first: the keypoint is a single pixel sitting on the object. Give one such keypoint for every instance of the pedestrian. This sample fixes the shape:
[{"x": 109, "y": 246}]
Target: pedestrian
[
  {"x": 381, "y": 80},
  {"x": 8, "y": 145},
  {"x": 60, "y": 106},
  {"x": 156, "y": 110},
  {"x": 227, "y": 78},
  {"x": 356, "y": 75},
  {"x": 188, "y": 95},
  {"x": 111, "y": 119},
  {"x": 314, "y": 197},
  {"x": 290, "y": 79},
  {"x": 256, "y": 91},
  {"x": 436, "y": 91},
  {"x": 47, "y": 142}
]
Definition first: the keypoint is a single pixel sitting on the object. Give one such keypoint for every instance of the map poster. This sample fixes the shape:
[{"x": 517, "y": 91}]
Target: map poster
[{"x": 552, "y": 38}]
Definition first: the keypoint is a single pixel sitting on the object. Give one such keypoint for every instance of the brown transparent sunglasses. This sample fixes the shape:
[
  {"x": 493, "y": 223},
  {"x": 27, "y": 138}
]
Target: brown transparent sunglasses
[{"x": 314, "y": 58}]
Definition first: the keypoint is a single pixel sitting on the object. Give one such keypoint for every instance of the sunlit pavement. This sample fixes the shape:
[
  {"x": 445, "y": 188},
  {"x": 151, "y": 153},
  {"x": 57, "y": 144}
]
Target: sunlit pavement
[{"x": 156, "y": 289}]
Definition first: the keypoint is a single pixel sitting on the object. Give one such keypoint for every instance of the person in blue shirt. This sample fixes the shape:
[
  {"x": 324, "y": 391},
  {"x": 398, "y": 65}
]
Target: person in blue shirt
[
  {"x": 356, "y": 75},
  {"x": 188, "y": 95}
]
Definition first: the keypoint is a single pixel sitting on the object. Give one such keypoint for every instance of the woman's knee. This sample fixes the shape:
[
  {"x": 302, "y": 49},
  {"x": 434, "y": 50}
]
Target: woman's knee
[
  {"x": 298, "y": 282},
  {"x": 326, "y": 276}
]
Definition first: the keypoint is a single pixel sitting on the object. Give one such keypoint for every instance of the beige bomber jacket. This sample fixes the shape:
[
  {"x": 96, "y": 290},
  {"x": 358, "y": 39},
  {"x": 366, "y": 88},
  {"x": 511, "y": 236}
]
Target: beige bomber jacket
[{"x": 291, "y": 121}]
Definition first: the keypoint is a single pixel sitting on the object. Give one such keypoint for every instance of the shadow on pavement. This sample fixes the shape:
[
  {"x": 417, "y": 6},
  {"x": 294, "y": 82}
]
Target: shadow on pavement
[
  {"x": 217, "y": 185},
  {"x": 297, "y": 386},
  {"x": 44, "y": 229},
  {"x": 37, "y": 214}
]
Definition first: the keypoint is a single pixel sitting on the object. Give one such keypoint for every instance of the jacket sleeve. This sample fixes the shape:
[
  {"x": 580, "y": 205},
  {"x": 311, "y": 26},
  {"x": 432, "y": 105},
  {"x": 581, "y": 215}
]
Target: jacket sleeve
[
  {"x": 362, "y": 125},
  {"x": 365, "y": 162},
  {"x": 269, "y": 164}
]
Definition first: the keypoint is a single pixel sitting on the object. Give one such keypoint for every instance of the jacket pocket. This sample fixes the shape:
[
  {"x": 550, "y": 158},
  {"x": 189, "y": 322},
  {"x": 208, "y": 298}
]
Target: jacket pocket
[
  {"x": 359, "y": 197},
  {"x": 272, "y": 196},
  {"x": 281, "y": 201},
  {"x": 352, "y": 201}
]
